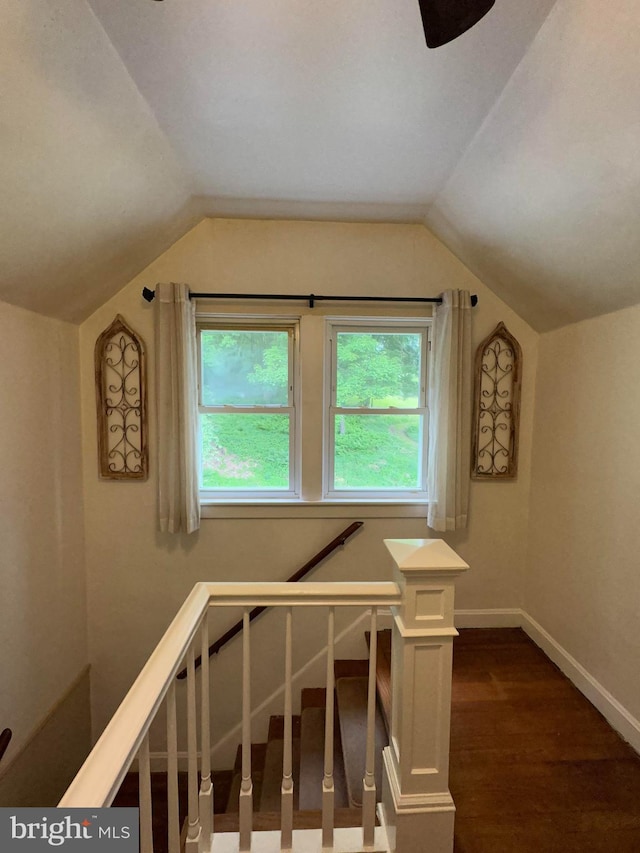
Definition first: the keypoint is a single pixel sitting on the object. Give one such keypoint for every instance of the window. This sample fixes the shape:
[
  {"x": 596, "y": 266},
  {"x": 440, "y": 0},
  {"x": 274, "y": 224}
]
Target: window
[
  {"x": 376, "y": 417},
  {"x": 247, "y": 404},
  {"x": 312, "y": 409}
]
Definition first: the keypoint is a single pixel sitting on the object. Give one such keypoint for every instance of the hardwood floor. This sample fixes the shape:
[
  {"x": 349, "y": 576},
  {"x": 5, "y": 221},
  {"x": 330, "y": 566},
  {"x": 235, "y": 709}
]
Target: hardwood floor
[{"x": 534, "y": 767}]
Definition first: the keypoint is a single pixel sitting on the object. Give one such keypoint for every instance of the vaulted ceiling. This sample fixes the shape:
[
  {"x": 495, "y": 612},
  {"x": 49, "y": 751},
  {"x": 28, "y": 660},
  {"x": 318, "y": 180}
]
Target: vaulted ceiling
[{"x": 123, "y": 122}]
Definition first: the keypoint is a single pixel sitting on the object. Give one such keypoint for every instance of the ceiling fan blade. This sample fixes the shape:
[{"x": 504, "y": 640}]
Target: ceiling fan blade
[{"x": 445, "y": 20}]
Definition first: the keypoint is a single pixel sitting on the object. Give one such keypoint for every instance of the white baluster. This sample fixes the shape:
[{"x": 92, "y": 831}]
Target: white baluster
[
  {"x": 286, "y": 840},
  {"x": 206, "y": 784},
  {"x": 369, "y": 781},
  {"x": 173, "y": 806},
  {"x": 328, "y": 793},
  {"x": 193, "y": 826},
  {"x": 245, "y": 807},
  {"x": 144, "y": 783}
]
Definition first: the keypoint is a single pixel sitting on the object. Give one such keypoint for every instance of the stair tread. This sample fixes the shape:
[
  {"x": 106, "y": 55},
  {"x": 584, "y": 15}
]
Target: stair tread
[
  {"x": 352, "y": 696},
  {"x": 258, "y": 755},
  {"x": 350, "y": 668},
  {"x": 312, "y": 762},
  {"x": 313, "y": 697},
  {"x": 276, "y": 726},
  {"x": 272, "y": 779},
  {"x": 271, "y": 795}
]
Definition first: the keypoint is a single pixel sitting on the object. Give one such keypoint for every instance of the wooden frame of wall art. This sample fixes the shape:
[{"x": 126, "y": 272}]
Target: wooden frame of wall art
[{"x": 496, "y": 412}]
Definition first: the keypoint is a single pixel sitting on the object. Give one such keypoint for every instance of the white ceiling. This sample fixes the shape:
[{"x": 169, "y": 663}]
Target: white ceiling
[
  {"x": 545, "y": 204},
  {"x": 517, "y": 143},
  {"x": 332, "y": 101}
]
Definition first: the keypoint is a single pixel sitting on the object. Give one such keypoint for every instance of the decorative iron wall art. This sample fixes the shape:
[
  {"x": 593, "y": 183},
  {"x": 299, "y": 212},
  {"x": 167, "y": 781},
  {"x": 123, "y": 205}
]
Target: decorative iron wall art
[
  {"x": 121, "y": 397},
  {"x": 496, "y": 418}
]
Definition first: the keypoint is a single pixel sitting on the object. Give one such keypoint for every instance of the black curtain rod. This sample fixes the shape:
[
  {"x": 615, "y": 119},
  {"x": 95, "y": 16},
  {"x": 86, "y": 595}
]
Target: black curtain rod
[{"x": 312, "y": 298}]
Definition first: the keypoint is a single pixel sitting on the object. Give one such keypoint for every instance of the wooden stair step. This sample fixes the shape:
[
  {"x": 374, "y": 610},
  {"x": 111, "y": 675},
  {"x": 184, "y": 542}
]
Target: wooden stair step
[
  {"x": 272, "y": 779},
  {"x": 350, "y": 668},
  {"x": 352, "y": 696},
  {"x": 312, "y": 762},
  {"x": 270, "y": 797},
  {"x": 258, "y": 755},
  {"x": 313, "y": 697}
]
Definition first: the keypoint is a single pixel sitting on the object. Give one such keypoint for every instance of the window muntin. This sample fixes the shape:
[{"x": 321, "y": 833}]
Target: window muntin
[
  {"x": 248, "y": 414},
  {"x": 376, "y": 418}
]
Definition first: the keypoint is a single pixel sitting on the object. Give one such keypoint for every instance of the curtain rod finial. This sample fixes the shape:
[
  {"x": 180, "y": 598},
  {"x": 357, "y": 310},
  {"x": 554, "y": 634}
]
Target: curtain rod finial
[{"x": 148, "y": 294}]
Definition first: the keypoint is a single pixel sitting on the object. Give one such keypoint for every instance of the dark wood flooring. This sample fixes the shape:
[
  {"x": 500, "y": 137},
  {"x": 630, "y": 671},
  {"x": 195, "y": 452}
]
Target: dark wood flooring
[{"x": 534, "y": 767}]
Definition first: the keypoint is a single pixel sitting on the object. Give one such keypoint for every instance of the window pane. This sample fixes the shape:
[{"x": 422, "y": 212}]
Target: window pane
[
  {"x": 245, "y": 368},
  {"x": 376, "y": 370},
  {"x": 377, "y": 452},
  {"x": 245, "y": 451}
]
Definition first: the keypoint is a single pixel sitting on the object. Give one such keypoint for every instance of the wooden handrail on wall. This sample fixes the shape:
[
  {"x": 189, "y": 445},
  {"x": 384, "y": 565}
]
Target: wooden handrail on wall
[
  {"x": 5, "y": 737},
  {"x": 214, "y": 648}
]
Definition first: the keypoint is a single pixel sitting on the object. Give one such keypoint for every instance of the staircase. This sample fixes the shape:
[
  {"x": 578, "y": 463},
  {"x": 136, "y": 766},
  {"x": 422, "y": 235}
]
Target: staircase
[
  {"x": 351, "y": 680},
  {"x": 416, "y": 802}
]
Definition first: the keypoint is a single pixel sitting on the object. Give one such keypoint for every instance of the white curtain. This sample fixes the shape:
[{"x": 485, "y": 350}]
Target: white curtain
[
  {"x": 448, "y": 471},
  {"x": 177, "y": 405}
]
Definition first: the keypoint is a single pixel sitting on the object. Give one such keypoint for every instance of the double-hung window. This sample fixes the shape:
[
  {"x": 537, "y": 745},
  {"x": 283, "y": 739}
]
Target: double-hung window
[
  {"x": 248, "y": 409},
  {"x": 312, "y": 409},
  {"x": 376, "y": 417}
]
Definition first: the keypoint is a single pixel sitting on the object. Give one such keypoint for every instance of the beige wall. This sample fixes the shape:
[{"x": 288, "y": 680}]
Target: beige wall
[
  {"x": 43, "y": 770},
  {"x": 583, "y": 578},
  {"x": 43, "y": 644},
  {"x": 137, "y": 577}
]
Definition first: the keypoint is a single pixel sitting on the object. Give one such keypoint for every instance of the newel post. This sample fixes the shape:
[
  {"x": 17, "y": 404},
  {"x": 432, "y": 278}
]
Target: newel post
[{"x": 417, "y": 808}]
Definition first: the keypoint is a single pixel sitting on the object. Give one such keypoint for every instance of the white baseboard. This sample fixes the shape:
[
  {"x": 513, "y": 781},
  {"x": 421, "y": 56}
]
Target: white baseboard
[
  {"x": 615, "y": 713},
  {"x": 496, "y": 618}
]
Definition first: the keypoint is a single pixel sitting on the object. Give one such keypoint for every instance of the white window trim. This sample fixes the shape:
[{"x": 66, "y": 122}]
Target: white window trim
[
  {"x": 258, "y": 322},
  {"x": 311, "y": 501},
  {"x": 335, "y": 325},
  {"x": 315, "y": 509}
]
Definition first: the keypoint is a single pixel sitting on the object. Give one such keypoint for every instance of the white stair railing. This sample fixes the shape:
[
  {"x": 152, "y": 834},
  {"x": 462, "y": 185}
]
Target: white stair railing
[
  {"x": 193, "y": 843},
  {"x": 205, "y": 802},
  {"x": 245, "y": 809},
  {"x": 173, "y": 809},
  {"x": 144, "y": 797},
  {"x": 126, "y": 737},
  {"x": 328, "y": 790},
  {"x": 286, "y": 808},
  {"x": 369, "y": 782}
]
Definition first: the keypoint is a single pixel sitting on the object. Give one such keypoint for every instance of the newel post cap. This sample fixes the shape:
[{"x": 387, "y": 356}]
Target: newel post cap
[{"x": 425, "y": 555}]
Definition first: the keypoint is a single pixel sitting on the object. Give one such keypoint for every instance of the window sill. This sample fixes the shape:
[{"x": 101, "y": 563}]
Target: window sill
[{"x": 314, "y": 509}]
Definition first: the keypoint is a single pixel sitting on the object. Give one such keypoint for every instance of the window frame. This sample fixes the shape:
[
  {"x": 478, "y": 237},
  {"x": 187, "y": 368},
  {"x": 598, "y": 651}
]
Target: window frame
[
  {"x": 257, "y": 322},
  {"x": 310, "y": 374},
  {"x": 375, "y": 325}
]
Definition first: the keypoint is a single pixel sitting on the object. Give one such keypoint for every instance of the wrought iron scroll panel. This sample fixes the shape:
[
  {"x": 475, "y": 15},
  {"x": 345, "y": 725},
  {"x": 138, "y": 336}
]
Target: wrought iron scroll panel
[
  {"x": 497, "y": 406},
  {"x": 121, "y": 400}
]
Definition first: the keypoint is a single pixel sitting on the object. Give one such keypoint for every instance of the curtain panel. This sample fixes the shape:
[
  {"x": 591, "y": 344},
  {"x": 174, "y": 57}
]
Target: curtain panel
[
  {"x": 177, "y": 409},
  {"x": 449, "y": 456}
]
